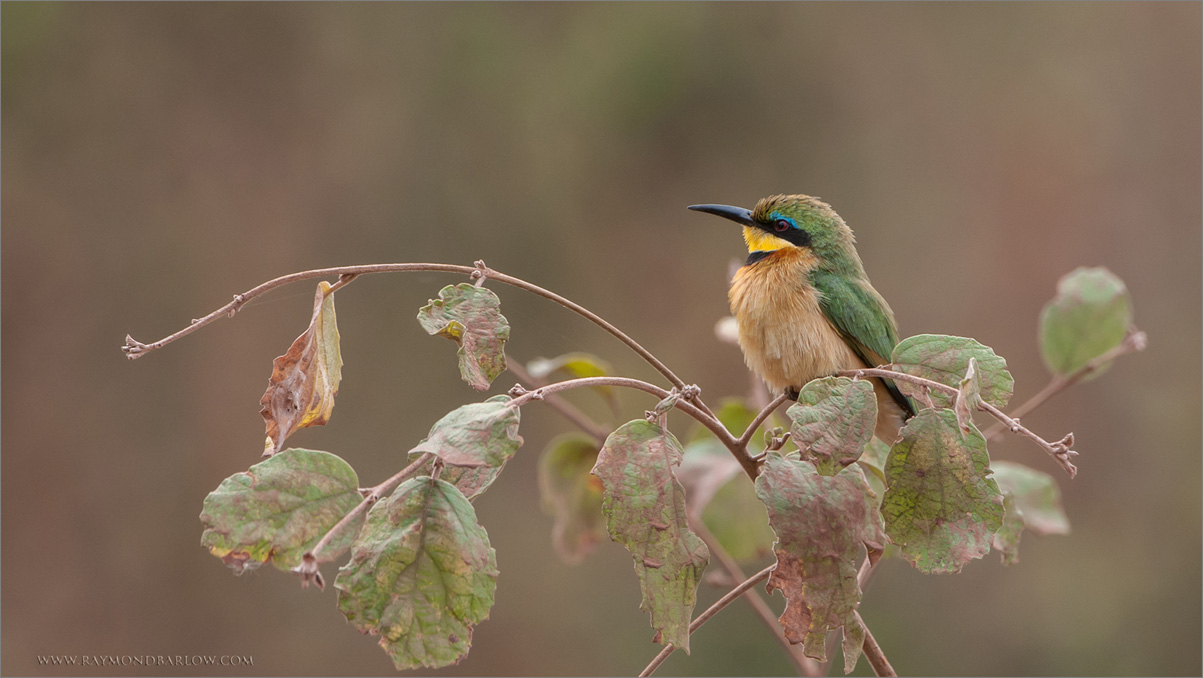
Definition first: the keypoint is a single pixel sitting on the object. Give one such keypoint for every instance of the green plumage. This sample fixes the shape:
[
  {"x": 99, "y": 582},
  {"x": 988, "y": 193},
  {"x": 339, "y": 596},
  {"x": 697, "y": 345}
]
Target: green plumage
[{"x": 860, "y": 316}]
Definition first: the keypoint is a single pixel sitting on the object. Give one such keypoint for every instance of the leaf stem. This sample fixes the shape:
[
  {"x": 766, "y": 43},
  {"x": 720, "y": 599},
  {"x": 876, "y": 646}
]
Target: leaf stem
[
  {"x": 705, "y": 616},
  {"x": 706, "y": 419},
  {"x": 372, "y": 496},
  {"x": 1060, "y": 450}
]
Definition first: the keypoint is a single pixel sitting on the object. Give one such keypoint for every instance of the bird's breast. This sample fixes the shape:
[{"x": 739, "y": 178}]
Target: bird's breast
[{"x": 784, "y": 335}]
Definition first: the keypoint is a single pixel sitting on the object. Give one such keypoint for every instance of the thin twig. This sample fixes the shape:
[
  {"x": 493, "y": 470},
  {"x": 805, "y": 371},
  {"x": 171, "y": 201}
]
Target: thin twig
[
  {"x": 136, "y": 349},
  {"x": 709, "y": 421},
  {"x": 1134, "y": 341},
  {"x": 705, "y": 616},
  {"x": 765, "y": 413},
  {"x": 804, "y": 665},
  {"x": 1060, "y": 450},
  {"x": 877, "y": 658},
  {"x": 371, "y": 496},
  {"x": 565, "y": 408}
]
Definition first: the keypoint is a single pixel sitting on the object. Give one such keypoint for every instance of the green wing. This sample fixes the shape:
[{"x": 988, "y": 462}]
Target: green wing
[{"x": 862, "y": 318}]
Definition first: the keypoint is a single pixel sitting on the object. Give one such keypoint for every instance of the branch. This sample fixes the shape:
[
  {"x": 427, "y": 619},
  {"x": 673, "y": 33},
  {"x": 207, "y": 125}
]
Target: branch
[
  {"x": 1060, "y": 450},
  {"x": 565, "y": 408},
  {"x": 711, "y": 422},
  {"x": 764, "y": 414},
  {"x": 877, "y": 659},
  {"x": 1134, "y": 341},
  {"x": 705, "y": 616},
  {"x": 136, "y": 349},
  {"x": 804, "y": 665}
]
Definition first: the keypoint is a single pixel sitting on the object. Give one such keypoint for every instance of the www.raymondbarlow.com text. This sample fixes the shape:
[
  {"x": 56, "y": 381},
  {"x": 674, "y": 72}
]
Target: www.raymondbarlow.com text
[{"x": 146, "y": 660}]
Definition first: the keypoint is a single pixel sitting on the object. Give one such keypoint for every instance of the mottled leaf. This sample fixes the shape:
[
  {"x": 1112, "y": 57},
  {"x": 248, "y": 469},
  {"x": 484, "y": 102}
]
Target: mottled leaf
[
  {"x": 1033, "y": 503},
  {"x": 1089, "y": 316},
  {"x": 720, "y": 495},
  {"x": 304, "y": 381},
  {"x": 421, "y": 575},
  {"x": 572, "y": 496},
  {"x": 476, "y": 434},
  {"x": 942, "y": 506},
  {"x": 470, "y": 316},
  {"x": 645, "y": 508},
  {"x": 945, "y": 359},
  {"x": 969, "y": 396},
  {"x": 821, "y": 523},
  {"x": 833, "y": 420},
  {"x": 279, "y": 509},
  {"x": 477, "y": 440}
]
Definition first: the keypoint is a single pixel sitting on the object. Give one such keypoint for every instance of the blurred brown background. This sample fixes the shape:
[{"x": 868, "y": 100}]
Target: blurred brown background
[{"x": 160, "y": 158}]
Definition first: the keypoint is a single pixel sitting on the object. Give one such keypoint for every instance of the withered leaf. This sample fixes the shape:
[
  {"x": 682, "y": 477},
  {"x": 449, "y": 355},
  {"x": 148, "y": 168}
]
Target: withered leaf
[
  {"x": 471, "y": 317},
  {"x": 304, "y": 381},
  {"x": 833, "y": 420},
  {"x": 821, "y": 523},
  {"x": 645, "y": 507}
]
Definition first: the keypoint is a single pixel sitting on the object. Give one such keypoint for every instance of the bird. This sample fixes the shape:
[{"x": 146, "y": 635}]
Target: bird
[{"x": 805, "y": 307}]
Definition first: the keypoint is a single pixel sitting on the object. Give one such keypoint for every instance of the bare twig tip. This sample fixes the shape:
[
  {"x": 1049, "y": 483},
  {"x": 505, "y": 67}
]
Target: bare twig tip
[{"x": 133, "y": 348}]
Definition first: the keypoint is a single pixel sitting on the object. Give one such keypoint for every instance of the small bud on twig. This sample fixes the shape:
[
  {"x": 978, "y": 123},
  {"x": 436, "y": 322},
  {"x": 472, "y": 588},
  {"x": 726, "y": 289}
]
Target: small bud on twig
[{"x": 309, "y": 572}]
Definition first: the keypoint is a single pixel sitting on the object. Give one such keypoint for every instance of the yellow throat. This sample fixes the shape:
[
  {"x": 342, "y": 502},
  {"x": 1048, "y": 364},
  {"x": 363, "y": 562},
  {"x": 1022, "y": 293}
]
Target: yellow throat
[{"x": 761, "y": 241}]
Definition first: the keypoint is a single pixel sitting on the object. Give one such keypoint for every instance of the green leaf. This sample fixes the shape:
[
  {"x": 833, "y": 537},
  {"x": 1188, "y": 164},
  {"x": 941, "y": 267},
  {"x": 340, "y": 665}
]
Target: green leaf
[
  {"x": 279, "y": 509},
  {"x": 645, "y": 508},
  {"x": 942, "y": 506},
  {"x": 1089, "y": 316},
  {"x": 477, "y": 440},
  {"x": 300, "y": 392},
  {"x": 572, "y": 495},
  {"x": 821, "y": 523},
  {"x": 721, "y": 496},
  {"x": 470, "y": 316},
  {"x": 422, "y": 574},
  {"x": 833, "y": 420},
  {"x": 1033, "y": 503},
  {"x": 946, "y": 359}
]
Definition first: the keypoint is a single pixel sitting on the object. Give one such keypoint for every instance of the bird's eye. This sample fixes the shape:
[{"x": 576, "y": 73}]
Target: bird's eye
[{"x": 781, "y": 225}]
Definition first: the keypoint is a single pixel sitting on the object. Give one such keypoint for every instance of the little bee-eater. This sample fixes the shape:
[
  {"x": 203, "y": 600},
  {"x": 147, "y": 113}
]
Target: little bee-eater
[{"x": 804, "y": 305}]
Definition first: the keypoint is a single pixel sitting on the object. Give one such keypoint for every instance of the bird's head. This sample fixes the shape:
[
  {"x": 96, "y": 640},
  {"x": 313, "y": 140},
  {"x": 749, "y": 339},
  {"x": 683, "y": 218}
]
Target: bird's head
[{"x": 791, "y": 221}]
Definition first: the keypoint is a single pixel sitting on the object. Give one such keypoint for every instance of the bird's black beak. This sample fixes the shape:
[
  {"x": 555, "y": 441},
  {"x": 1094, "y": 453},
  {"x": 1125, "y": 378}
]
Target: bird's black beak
[{"x": 737, "y": 214}]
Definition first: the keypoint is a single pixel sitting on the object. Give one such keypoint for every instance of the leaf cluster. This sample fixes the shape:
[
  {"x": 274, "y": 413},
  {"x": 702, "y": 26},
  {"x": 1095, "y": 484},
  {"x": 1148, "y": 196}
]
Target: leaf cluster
[{"x": 825, "y": 497}]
